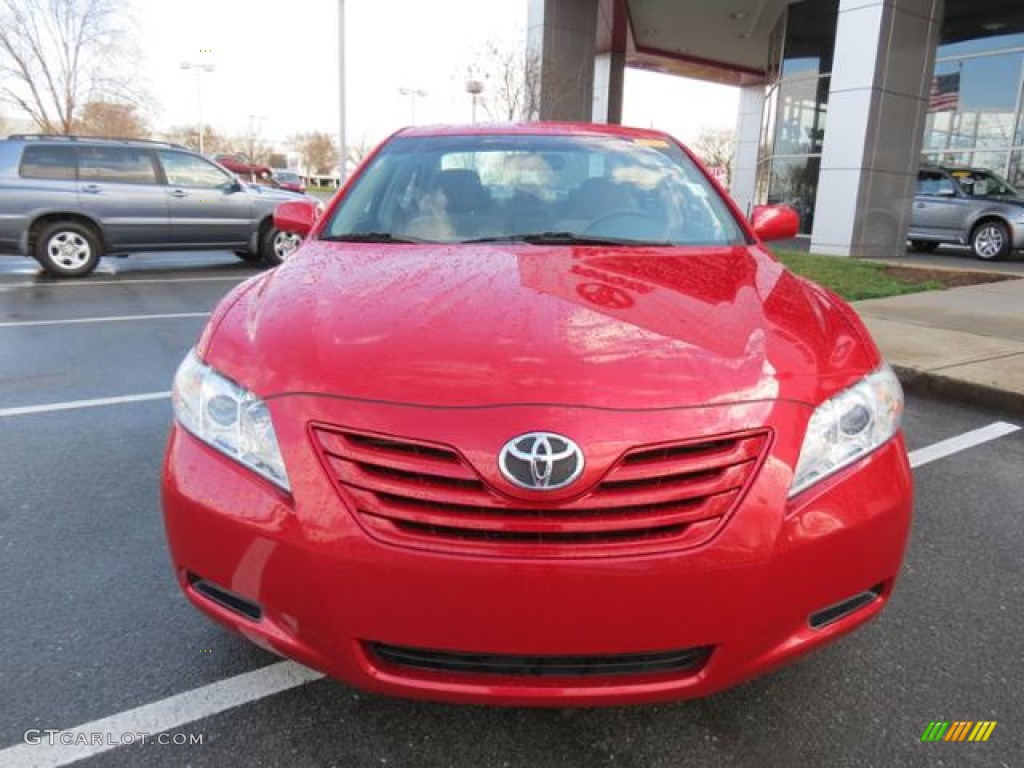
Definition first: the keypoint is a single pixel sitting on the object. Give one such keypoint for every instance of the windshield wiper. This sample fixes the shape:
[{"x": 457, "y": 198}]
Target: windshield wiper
[
  {"x": 564, "y": 238},
  {"x": 368, "y": 237}
]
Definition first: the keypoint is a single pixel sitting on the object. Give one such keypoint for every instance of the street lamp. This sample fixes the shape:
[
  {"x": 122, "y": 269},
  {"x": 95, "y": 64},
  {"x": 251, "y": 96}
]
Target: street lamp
[
  {"x": 199, "y": 68},
  {"x": 343, "y": 150},
  {"x": 474, "y": 88},
  {"x": 413, "y": 94}
]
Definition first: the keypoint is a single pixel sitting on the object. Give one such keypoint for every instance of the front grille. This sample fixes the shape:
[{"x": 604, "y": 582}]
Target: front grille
[
  {"x": 689, "y": 660},
  {"x": 415, "y": 493}
]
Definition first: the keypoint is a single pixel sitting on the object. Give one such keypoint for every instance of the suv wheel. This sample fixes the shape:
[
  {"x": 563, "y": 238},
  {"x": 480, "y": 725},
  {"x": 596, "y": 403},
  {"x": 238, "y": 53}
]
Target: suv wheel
[
  {"x": 67, "y": 249},
  {"x": 923, "y": 246},
  {"x": 990, "y": 240},
  {"x": 277, "y": 246}
]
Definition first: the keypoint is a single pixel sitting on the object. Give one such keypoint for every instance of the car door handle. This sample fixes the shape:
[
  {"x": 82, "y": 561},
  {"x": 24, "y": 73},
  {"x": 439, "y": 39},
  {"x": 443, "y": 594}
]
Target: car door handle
[
  {"x": 179, "y": 193},
  {"x": 920, "y": 205},
  {"x": 92, "y": 189}
]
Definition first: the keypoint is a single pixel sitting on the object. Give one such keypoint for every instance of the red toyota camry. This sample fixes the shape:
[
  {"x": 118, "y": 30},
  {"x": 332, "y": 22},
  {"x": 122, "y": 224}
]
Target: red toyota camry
[{"x": 533, "y": 417}]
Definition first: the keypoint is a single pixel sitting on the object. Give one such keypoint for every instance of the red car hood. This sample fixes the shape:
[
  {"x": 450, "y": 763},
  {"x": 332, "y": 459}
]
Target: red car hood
[{"x": 498, "y": 324}]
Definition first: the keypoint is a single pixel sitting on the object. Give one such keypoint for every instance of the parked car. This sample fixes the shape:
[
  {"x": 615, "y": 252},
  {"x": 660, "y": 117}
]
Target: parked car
[
  {"x": 243, "y": 166},
  {"x": 966, "y": 206},
  {"x": 289, "y": 180},
  {"x": 587, "y": 442},
  {"x": 67, "y": 201}
]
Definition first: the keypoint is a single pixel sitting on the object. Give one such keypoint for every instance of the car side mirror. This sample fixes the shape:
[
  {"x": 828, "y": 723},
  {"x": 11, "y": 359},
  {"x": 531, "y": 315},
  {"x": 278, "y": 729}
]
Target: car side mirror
[
  {"x": 234, "y": 185},
  {"x": 297, "y": 216},
  {"x": 775, "y": 222}
]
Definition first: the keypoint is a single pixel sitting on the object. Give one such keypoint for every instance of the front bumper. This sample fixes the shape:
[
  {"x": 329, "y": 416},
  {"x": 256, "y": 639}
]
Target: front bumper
[{"x": 332, "y": 596}]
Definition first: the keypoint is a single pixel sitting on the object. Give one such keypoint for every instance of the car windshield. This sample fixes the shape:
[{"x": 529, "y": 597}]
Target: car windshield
[
  {"x": 983, "y": 184},
  {"x": 537, "y": 189}
]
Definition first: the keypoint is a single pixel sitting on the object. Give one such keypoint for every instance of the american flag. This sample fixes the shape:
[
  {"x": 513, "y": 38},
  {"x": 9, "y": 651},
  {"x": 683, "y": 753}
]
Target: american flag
[{"x": 945, "y": 93}]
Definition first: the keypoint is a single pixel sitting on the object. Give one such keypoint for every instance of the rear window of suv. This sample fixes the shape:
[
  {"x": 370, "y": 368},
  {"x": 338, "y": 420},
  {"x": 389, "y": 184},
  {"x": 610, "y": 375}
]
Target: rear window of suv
[
  {"x": 124, "y": 165},
  {"x": 42, "y": 162}
]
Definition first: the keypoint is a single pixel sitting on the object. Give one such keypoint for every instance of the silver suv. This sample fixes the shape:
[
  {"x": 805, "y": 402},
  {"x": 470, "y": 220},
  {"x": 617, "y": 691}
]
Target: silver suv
[
  {"x": 966, "y": 206},
  {"x": 67, "y": 200}
]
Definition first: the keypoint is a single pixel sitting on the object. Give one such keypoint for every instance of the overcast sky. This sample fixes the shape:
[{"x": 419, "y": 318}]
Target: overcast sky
[{"x": 277, "y": 60}]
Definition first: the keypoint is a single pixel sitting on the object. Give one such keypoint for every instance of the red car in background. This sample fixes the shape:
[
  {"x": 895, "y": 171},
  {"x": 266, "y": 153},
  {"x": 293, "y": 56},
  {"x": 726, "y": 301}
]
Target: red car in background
[
  {"x": 241, "y": 165},
  {"x": 288, "y": 180},
  {"x": 533, "y": 417}
]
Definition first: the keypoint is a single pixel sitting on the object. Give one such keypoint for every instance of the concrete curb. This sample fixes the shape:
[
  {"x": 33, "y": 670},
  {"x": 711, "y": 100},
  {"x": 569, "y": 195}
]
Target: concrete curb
[{"x": 936, "y": 385}]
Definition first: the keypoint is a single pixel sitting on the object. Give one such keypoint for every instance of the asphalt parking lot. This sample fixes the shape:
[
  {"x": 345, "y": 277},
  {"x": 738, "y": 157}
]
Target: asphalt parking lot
[{"x": 97, "y": 638}]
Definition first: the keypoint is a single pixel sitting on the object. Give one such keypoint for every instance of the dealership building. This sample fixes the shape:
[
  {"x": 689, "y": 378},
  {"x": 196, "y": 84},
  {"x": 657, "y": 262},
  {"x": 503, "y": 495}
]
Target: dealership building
[{"x": 840, "y": 100}]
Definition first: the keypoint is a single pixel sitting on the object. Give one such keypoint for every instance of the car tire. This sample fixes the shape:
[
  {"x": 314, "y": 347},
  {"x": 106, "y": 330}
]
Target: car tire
[
  {"x": 276, "y": 245},
  {"x": 249, "y": 257},
  {"x": 990, "y": 240},
  {"x": 923, "y": 246},
  {"x": 67, "y": 249}
]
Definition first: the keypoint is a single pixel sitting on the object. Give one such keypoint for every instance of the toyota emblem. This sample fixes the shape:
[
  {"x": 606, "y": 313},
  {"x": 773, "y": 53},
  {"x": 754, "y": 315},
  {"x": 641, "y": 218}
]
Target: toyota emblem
[{"x": 541, "y": 461}]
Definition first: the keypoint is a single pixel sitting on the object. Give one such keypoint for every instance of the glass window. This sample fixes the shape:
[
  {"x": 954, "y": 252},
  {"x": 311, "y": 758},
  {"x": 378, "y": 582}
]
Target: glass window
[
  {"x": 935, "y": 183},
  {"x": 185, "y": 170},
  {"x": 464, "y": 188},
  {"x": 1015, "y": 172},
  {"x": 800, "y": 126},
  {"x": 771, "y": 104},
  {"x": 976, "y": 183},
  {"x": 810, "y": 38},
  {"x": 794, "y": 182},
  {"x": 48, "y": 163},
  {"x": 993, "y": 161},
  {"x": 124, "y": 165}
]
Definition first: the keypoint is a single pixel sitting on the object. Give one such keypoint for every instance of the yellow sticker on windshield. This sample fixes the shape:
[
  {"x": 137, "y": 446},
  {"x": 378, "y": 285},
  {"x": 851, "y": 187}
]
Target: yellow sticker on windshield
[{"x": 655, "y": 143}]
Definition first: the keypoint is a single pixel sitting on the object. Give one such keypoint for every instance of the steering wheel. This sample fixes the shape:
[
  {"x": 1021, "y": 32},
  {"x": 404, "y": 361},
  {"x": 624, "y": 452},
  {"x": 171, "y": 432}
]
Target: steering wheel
[{"x": 620, "y": 222}]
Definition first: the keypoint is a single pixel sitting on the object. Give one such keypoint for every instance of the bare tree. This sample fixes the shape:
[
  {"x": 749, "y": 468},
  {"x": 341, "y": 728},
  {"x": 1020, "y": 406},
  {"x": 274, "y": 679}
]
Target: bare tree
[
  {"x": 116, "y": 121},
  {"x": 3, "y": 126},
  {"x": 318, "y": 150},
  {"x": 56, "y": 55},
  {"x": 258, "y": 151},
  {"x": 514, "y": 82},
  {"x": 511, "y": 81},
  {"x": 715, "y": 146},
  {"x": 188, "y": 135},
  {"x": 356, "y": 153}
]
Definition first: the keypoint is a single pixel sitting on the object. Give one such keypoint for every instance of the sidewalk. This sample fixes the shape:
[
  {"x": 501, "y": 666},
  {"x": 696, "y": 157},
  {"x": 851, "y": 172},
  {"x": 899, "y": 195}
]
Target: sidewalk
[{"x": 966, "y": 343}]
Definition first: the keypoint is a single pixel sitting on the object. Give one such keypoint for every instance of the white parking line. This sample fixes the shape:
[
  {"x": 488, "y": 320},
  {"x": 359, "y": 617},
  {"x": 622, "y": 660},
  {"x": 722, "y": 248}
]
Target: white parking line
[
  {"x": 157, "y": 717},
  {"x": 945, "y": 448},
  {"x": 25, "y": 410},
  {"x": 113, "y": 319},
  {"x": 190, "y": 706},
  {"x": 94, "y": 283}
]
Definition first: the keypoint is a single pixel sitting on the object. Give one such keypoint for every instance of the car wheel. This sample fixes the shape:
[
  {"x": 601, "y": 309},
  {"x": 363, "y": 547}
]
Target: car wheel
[
  {"x": 990, "y": 241},
  {"x": 277, "y": 246},
  {"x": 923, "y": 246},
  {"x": 248, "y": 256},
  {"x": 67, "y": 249}
]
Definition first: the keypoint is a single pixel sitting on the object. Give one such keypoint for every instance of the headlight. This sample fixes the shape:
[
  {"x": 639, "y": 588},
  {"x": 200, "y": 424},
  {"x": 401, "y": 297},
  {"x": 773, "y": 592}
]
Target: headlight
[
  {"x": 849, "y": 426},
  {"x": 228, "y": 417}
]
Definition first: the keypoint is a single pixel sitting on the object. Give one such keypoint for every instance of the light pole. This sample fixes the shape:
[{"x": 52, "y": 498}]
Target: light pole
[
  {"x": 342, "y": 149},
  {"x": 255, "y": 122},
  {"x": 474, "y": 88},
  {"x": 413, "y": 94},
  {"x": 199, "y": 68}
]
